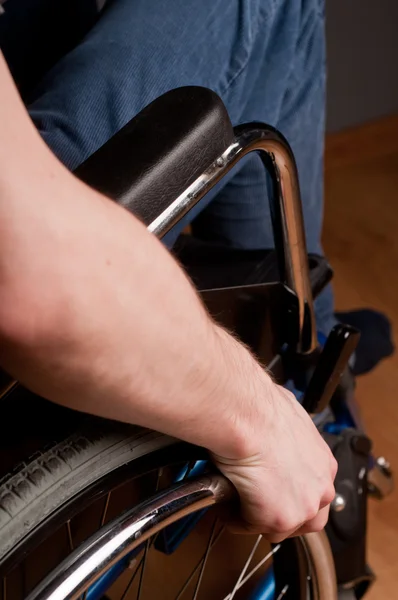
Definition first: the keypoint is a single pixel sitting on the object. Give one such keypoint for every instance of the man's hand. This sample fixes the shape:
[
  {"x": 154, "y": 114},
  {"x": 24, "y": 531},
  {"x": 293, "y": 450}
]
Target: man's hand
[{"x": 286, "y": 483}]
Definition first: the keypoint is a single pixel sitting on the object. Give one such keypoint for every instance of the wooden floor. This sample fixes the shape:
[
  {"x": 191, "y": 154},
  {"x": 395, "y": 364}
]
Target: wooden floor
[{"x": 361, "y": 242}]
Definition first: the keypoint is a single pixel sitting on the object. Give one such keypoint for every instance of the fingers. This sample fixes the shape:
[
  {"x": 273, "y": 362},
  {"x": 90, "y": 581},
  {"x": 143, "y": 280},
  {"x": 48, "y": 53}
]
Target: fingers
[
  {"x": 277, "y": 538},
  {"x": 333, "y": 466},
  {"x": 278, "y": 521},
  {"x": 314, "y": 525},
  {"x": 287, "y": 486},
  {"x": 327, "y": 496}
]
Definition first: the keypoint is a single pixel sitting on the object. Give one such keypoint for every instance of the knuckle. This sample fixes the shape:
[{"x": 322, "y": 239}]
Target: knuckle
[
  {"x": 275, "y": 538},
  {"x": 311, "y": 509},
  {"x": 320, "y": 523},
  {"x": 316, "y": 527},
  {"x": 284, "y": 523},
  {"x": 329, "y": 494},
  {"x": 333, "y": 466}
]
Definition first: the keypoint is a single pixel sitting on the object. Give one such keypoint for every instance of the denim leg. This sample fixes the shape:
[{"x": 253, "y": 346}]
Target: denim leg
[
  {"x": 240, "y": 214},
  {"x": 138, "y": 50},
  {"x": 289, "y": 93},
  {"x": 263, "y": 57}
]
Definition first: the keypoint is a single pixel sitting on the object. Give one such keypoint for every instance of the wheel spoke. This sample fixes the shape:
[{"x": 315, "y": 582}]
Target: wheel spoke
[
  {"x": 70, "y": 539},
  {"x": 105, "y": 510},
  {"x": 142, "y": 562},
  {"x": 255, "y": 569},
  {"x": 143, "y": 569},
  {"x": 198, "y": 565},
  {"x": 148, "y": 544},
  {"x": 204, "y": 561},
  {"x": 190, "y": 466},
  {"x": 245, "y": 567},
  {"x": 131, "y": 581},
  {"x": 196, "y": 578},
  {"x": 283, "y": 592}
]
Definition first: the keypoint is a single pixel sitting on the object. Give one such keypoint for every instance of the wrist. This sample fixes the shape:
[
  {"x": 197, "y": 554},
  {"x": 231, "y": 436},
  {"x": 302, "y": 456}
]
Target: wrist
[{"x": 248, "y": 408}]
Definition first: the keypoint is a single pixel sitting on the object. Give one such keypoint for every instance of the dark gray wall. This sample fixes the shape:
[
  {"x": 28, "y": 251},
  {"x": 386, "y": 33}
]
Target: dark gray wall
[{"x": 362, "y": 37}]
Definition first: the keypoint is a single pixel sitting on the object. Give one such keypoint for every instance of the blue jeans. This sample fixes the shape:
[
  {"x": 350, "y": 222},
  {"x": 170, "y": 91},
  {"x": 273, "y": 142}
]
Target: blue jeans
[{"x": 265, "y": 58}]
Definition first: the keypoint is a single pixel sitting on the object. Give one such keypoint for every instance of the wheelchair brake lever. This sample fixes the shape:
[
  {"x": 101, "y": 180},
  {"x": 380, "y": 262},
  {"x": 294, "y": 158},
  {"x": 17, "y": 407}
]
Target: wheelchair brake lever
[{"x": 332, "y": 361}]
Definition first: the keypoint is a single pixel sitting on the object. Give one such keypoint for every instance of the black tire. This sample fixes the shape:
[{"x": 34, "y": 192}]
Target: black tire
[
  {"x": 39, "y": 488},
  {"x": 58, "y": 483}
]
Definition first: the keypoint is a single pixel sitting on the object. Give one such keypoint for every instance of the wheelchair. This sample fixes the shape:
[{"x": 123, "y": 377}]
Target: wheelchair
[{"x": 92, "y": 509}]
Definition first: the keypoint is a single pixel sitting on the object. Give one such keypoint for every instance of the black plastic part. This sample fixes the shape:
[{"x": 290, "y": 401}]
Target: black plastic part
[
  {"x": 347, "y": 529},
  {"x": 257, "y": 314},
  {"x": 361, "y": 444},
  {"x": 331, "y": 363},
  {"x": 321, "y": 273},
  {"x": 161, "y": 152},
  {"x": 364, "y": 584},
  {"x": 215, "y": 265},
  {"x": 243, "y": 292}
]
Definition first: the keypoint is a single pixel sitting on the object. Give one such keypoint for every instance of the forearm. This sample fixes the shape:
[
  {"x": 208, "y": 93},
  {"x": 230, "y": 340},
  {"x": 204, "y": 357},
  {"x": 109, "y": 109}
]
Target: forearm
[{"x": 96, "y": 315}]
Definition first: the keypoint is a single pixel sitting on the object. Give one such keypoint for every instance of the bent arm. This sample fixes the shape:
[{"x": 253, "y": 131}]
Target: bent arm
[{"x": 95, "y": 314}]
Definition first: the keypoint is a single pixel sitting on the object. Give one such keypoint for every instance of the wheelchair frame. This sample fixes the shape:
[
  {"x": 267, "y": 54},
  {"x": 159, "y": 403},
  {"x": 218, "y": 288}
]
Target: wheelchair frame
[
  {"x": 286, "y": 212},
  {"x": 98, "y": 556},
  {"x": 104, "y": 550}
]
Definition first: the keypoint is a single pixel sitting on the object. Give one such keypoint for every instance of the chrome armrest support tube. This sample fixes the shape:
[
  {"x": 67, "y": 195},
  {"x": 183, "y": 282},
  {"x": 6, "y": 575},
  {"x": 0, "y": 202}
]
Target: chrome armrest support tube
[{"x": 286, "y": 210}]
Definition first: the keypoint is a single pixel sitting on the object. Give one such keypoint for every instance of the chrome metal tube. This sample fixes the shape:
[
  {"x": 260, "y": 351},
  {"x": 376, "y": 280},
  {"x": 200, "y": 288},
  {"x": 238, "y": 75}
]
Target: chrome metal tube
[
  {"x": 285, "y": 208},
  {"x": 286, "y": 213},
  {"x": 109, "y": 545}
]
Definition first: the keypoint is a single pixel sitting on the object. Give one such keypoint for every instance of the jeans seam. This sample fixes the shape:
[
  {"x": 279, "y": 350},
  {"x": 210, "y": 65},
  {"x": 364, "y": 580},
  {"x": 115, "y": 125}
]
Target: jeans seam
[
  {"x": 259, "y": 21},
  {"x": 236, "y": 75}
]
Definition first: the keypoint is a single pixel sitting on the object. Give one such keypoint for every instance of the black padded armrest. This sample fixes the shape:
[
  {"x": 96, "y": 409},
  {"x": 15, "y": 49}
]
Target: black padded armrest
[{"x": 158, "y": 154}]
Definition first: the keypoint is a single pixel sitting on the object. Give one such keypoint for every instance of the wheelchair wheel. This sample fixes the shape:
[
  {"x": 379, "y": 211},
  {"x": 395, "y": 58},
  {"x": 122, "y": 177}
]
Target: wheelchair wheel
[{"x": 147, "y": 506}]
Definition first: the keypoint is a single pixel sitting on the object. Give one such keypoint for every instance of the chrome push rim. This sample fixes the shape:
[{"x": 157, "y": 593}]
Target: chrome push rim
[
  {"x": 132, "y": 529},
  {"x": 74, "y": 578}
]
